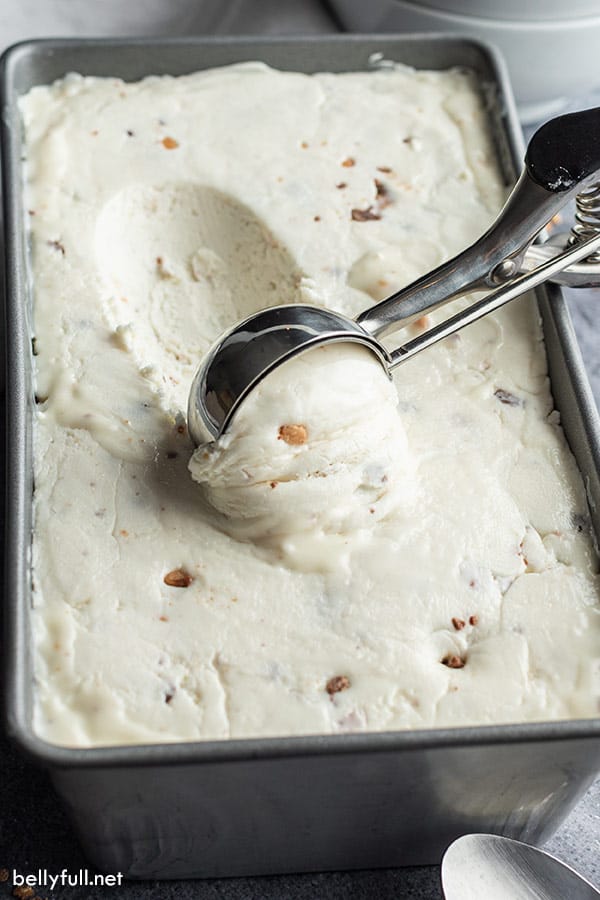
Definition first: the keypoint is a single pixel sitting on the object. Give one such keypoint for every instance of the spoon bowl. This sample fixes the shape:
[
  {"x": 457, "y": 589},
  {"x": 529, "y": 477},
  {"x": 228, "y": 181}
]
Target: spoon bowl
[
  {"x": 489, "y": 866},
  {"x": 251, "y": 349}
]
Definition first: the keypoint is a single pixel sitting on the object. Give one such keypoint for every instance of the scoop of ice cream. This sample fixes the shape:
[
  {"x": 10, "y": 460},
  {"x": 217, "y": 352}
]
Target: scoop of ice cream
[{"x": 318, "y": 449}]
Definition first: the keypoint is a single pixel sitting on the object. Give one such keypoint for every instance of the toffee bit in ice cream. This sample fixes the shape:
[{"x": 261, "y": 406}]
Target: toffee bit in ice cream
[
  {"x": 349, "y": 162},
  {"x": 342, "y": 185},
  {"x": 170, "y": 143},
  {"x": 336, "y": 684},
  {"x": 364, "y": 215},
  {"x": 293, "y": 434},
  {"x": 382, "y": 194},
  {"x": 178, "y": 578},
  {"x": 473, "y": 620},
  {"x": 57, "y": 246},
  {"x": 453, "y": 661},
  {"x": 385, "y": 169},
  {"x": 458, "y": 624},
  {"x": 507, "y": 398}
]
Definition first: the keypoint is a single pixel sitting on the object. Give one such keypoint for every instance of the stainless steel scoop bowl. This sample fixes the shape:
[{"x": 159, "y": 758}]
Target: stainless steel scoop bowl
[
  {"x": 563, "y": 157},
  {"x": 478, "y": 866}
]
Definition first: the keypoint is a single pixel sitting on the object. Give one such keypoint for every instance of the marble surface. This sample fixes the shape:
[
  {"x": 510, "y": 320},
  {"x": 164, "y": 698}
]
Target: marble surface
[{"x": 34, "y": 831}]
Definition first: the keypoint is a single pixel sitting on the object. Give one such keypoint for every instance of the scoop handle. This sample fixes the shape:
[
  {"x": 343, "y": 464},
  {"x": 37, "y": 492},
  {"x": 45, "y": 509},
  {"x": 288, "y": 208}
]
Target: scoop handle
[
  {"x": 494, "y": 300},
  {"x": 565, "y": 152},
  {"x": 562, "y": 158}
]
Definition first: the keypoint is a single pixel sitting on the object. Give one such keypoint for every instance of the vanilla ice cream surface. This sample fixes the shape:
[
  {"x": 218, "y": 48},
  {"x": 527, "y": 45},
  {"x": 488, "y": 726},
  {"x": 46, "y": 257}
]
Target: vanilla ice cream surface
[{"x": 355, "y": 553}]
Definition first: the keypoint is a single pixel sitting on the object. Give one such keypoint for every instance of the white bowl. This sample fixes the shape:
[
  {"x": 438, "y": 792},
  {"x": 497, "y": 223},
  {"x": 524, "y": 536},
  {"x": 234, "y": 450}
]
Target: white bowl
[
  {"x": 551, "y": 60},
  {"x": 528, "y": 10}
]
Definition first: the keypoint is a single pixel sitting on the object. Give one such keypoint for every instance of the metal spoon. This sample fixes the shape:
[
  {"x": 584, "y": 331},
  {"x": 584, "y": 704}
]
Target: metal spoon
[
  {"x": 562, "y": 158},
  {"x": 490, "y": 867}
]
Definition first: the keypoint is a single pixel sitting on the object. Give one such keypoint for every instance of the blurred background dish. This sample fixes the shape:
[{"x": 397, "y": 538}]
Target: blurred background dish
[
  {"x": 551, "y": 47},
  {"x": 26, "y": 19},
  {"x": 531, "y": 10}
]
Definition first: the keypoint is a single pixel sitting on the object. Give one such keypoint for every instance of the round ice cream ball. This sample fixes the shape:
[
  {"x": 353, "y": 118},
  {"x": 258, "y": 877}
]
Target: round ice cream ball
[{"x": 318, "y": 445}]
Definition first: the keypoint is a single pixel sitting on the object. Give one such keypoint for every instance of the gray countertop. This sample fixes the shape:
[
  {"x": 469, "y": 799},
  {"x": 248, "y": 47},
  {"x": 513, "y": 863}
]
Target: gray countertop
[{"x": 34, "y": 831}]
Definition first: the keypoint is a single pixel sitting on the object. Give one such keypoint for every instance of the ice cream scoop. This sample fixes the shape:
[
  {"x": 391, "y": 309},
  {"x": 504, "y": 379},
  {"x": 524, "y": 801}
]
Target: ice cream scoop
[
  {"x": 498, "y": 868},
  {"x": 563, "y": 157},
  {"x": 304, "y": 476}
]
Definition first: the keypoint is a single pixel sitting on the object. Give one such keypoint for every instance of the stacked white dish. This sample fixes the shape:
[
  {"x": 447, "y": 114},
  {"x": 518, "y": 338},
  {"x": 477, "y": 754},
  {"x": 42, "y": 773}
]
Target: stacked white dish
[{"x": 551, "y": 47}]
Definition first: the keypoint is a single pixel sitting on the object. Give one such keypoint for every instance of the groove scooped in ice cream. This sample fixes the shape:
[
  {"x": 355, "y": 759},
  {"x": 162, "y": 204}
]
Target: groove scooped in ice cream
[
  {"x": 318, "y": 449},
  {"x": 180, "y": 260}
]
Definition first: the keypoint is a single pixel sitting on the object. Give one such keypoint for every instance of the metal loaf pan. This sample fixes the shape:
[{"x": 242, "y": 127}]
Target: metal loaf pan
[{"x": 287, "y": 804}]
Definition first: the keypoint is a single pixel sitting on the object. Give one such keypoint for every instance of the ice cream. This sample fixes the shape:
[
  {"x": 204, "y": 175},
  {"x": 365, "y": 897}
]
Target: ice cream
[
  {"x": 168, "y": 609},
  {"x": 315, "y": 456}
]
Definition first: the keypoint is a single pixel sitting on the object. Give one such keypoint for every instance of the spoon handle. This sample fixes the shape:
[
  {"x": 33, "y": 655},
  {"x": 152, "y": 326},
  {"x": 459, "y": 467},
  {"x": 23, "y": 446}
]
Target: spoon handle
[
  {"x": 493, "y": 301},
  {"x": 562, "y": 158}
]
